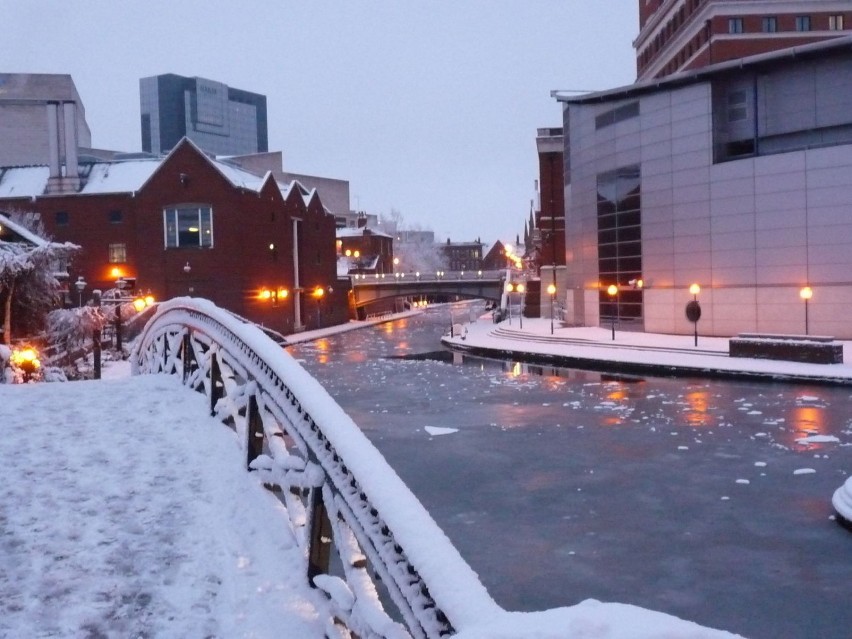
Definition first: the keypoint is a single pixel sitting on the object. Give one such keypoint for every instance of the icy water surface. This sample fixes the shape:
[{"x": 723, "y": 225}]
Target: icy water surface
[{"x": 708, "y": 500}]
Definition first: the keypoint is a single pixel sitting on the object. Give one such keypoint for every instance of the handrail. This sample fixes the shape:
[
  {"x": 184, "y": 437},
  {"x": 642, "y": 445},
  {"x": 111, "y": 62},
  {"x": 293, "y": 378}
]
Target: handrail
[
  {"x": 307, "y": 448},
  {"x": 341, "y": 495}
]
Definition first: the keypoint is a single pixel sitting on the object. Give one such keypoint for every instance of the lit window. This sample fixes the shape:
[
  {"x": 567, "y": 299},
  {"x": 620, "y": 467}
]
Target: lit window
[
  {"x": 735, "y": 25},
  {"x": 835, "y": 23},
  {"x": 117, "y": 253},
  {"x": 770, "y": 24},
  {"x": 188, "y": 226},
  {"x": 803, "y": 23}
]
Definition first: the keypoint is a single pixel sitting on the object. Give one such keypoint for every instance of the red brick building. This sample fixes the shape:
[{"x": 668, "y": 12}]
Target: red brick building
[
  {"x": 678, "y": 35},
  {"x": 364, "y": 251},
  {"x": 188, "y": 224}
]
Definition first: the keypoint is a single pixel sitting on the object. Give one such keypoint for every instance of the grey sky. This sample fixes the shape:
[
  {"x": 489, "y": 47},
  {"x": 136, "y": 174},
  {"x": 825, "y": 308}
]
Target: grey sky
[{"x": 427, "y": 107}]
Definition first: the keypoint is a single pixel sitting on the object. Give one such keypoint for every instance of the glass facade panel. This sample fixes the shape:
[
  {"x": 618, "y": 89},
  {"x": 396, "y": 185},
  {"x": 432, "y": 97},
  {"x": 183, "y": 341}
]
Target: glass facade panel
[{"x": 620, "y": 241}]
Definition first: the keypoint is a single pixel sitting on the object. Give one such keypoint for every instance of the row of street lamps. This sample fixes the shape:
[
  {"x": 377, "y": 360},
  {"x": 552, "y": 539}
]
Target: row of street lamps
[{"x": 693, "y": 308}]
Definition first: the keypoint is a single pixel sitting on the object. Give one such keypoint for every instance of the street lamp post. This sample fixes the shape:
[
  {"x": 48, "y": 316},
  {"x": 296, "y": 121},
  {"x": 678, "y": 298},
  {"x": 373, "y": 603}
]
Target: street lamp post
[
  {"x": 612, "y": 291},
  {"x": 693, "y": 309},
  {"x": 806, "y": 294},
  {"x": 519, "y": 288},
  {"x": 80, "y": 285},
  {"x": 551, "y": 290},
  {"x": 120, "y": 284},
  {"x": 96, "y": 338}
]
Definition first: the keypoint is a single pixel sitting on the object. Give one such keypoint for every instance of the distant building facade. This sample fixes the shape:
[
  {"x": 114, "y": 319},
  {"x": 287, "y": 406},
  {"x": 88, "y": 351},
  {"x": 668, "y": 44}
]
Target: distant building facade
[
  {"x": 736, "y": 177},
  {"x": 681, "y": 35},
  {"x": 217, "y": 118},
  {"x": 42, "y": 121},
  {"x": 548, "y": 234},
  {"x": 364, "y": 251},
  {"x": 463, "y": 256}
]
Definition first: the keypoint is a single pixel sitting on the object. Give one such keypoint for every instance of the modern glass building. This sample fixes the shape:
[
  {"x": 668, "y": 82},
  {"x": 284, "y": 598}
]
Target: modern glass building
[
  {"x": 219, "y": 119},
  {"x": 736, "y": 177}
]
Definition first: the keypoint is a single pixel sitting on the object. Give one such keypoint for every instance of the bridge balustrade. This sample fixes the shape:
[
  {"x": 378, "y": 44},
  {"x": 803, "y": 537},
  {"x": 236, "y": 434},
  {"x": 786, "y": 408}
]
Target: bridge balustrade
[{"x": 340, "y": 494}]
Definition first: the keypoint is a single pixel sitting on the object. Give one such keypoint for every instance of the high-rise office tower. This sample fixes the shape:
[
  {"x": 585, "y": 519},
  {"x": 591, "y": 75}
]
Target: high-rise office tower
[
  {"x": 679, "y": 35},
  {"x": 219, "y": 119}
]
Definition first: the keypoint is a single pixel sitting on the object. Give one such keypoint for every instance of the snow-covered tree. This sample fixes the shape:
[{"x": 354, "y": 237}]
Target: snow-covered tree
[
  {"x": 28, "y": 279},
  {"x": 71, "y": 328}
]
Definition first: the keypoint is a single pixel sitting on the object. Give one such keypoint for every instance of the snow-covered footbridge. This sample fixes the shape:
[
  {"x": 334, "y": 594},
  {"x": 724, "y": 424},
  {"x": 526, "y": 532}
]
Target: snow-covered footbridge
[{"x": 367, "y": 543}]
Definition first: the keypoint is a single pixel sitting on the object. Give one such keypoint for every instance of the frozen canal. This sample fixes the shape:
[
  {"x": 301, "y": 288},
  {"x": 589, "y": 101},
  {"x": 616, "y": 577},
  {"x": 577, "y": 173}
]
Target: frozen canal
[{"x": 709, "y": 500}]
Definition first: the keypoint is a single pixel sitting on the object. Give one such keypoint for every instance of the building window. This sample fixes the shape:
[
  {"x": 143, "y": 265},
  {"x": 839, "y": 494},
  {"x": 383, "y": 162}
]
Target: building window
[
  {"x": 117, "y": 253},
  {"x": 115, "y": 217},
  {"x": 737, "y": 106},
  {"x": 735, "y": 25},
  {"x": 803, "y": 23},
  {"x": 620, "y": 240},
  {"x": 618, "y": 114},
  {"x": 770, "y": 24},
  {"x": 835, "y": 23},
  {"x": 61, "y": 218},
  {"x": 188, "y": 227}
]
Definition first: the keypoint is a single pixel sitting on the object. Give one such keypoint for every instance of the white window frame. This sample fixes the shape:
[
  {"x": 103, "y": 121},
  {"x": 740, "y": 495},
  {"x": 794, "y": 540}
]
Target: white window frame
[{"x": 172, "y": 240}]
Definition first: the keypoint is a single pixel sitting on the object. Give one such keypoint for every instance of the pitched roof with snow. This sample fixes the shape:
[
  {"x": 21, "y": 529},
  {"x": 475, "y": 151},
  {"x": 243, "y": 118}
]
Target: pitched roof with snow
[
  {"x": 23, "y": 232},
  {"x": 129, "y": 176}
]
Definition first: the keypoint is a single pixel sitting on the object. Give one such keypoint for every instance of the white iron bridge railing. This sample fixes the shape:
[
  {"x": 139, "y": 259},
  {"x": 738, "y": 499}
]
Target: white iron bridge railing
[
  {"x": 340, "y": 493},
  {"x": 386, "y": 568}
]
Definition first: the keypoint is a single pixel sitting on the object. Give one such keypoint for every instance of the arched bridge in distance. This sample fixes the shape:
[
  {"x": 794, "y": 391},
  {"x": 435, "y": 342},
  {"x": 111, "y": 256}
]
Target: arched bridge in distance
[{"x": 372, "y": 288}]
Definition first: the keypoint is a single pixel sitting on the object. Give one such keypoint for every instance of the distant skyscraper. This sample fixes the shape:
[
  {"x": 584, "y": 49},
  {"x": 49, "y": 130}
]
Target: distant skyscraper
[{"x": 219, "y": 119}]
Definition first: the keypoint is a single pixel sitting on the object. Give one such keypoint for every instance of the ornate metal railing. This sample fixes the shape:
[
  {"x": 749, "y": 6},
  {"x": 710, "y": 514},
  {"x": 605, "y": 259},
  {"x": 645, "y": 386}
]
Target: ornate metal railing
[{"x": 342, "y": 497}]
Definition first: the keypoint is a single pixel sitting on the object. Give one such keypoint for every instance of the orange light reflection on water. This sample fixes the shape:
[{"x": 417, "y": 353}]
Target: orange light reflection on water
[
  {"x": 323, "y": 347},
  {"x": 697, "y": 414},
  {"x": 805, "y": 421}
]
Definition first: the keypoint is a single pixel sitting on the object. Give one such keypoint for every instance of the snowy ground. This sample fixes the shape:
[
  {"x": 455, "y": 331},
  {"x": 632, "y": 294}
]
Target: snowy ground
[
  {"x": 633, "y": 347},
  {"x": 124, "y": 512}
]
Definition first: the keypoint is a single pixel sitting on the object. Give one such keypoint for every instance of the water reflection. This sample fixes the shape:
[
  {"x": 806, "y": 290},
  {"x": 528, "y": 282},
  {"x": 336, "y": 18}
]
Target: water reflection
[
  {"x": 578, "y": 475},
  {"x": 697, "y": 414}
]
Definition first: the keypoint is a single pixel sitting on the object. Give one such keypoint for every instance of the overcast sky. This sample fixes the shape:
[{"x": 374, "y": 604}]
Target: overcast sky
[{"x": 429, "y": 108}]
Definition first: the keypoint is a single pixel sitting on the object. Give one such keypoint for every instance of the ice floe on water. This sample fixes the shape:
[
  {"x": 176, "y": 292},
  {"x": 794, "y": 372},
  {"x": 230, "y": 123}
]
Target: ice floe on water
[{"x": 440, "y": 430}]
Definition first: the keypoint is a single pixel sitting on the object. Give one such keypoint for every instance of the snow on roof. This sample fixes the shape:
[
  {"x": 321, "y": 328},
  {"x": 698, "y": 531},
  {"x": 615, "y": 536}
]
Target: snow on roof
[
  {"x": 25, "y": 233},
  {"x": 119, "y": 177},
  {"x": 23, "y": 181},
  {"x": 360, "y": 232},
  {"x": 240, "y": 178}
]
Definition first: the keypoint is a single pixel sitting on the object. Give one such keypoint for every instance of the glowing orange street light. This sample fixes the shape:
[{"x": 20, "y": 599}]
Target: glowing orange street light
[
  {"x": 27, "y": 360},
  {"x": 806, "y": 294},
  {"x": 551, "y": 290},
  {"x": 612, "y": 291}
]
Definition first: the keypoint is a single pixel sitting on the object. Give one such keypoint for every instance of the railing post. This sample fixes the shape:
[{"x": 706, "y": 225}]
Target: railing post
[
  {"x": 320, "y": 537},
  {"x": 254, "y": 432},
  {"x": 216, "y": 385},
  {"x": 186, "y": 355}
]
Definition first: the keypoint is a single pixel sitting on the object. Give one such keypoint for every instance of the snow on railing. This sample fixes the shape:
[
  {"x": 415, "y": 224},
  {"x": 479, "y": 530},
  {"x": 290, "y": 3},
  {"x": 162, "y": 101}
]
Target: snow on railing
[
  {"x": 342, "y": 495},
  {"x": 305, "y": 446}
]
